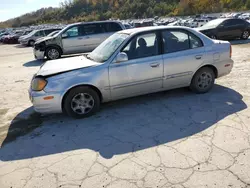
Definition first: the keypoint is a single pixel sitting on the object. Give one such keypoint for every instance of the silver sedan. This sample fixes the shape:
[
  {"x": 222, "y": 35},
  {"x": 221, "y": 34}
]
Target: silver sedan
[{"x": 130, "y": 63}]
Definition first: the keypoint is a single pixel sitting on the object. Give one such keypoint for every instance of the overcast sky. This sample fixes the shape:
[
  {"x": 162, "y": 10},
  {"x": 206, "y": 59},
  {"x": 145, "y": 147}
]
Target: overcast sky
[{"x": 14, "y": 8}]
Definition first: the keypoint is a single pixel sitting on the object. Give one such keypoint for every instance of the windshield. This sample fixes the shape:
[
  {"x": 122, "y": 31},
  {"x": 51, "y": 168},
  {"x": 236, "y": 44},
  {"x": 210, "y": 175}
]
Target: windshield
[
  {"x": 104, "y": 51},
  {"x": 53, "y": 33},
  {"x": 212, "y": 24}
]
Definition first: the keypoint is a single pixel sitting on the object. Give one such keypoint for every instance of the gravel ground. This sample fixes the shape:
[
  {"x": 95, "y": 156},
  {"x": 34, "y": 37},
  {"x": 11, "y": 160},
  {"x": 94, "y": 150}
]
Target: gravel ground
[{"x": 170, "y": 139}]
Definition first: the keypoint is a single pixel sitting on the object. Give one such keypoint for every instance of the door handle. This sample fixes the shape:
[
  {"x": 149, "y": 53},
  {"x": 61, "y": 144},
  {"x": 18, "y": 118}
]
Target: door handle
[
  {"x": 198, "y": 57},
  {"x": 80, "y": 38},
  {"x": 154, "y": 65}
]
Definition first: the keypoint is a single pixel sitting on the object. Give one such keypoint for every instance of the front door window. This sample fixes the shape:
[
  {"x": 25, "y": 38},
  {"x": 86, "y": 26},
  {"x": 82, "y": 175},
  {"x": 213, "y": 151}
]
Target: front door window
[{"x": 142, "y": 46}]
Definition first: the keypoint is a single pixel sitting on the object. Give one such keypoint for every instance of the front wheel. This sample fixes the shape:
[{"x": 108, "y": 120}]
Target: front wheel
[
  {"x": 53, "y": 53},
  {"x": 203, "y": 80},
  {"x": 31, "y": 43},
  {"x": 81, "y": 102},
  {"x": 245, "y": 35}
]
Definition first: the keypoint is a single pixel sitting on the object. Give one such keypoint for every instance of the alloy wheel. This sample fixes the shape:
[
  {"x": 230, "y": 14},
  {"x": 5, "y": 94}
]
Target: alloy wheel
[
  {"x": 53, "y": 53},
  {"x": 82, "y": 103},
  {"x": 205, "y": 80},
  {"x": 245, "y": 34}
]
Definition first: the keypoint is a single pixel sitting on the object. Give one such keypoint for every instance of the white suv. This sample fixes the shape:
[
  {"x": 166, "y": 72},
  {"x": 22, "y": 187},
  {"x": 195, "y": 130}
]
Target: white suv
[{"x": 76, "y": 38}]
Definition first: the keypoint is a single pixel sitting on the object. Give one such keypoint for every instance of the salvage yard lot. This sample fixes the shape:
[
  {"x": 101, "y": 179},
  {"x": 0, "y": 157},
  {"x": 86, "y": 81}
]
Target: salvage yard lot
[{"x": 170, "y": 139}]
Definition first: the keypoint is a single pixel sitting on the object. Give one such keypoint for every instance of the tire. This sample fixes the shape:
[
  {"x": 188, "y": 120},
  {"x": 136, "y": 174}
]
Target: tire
[
  {"x": 81, "y": 102},
  {"x": 203, "y": 80},
  {"x": 245, "y": 35},
  {"x": 53, "y": 53},
  {"x": 31, "y": 43}
]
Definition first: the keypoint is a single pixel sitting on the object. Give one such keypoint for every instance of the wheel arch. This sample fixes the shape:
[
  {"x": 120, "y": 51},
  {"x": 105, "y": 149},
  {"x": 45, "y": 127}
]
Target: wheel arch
[
  {"x": 215, "y": 70},
  {"x": 54, "y": 46},
  {"x": 30, "y": 41},
  {"x": 81, "y": 85}
]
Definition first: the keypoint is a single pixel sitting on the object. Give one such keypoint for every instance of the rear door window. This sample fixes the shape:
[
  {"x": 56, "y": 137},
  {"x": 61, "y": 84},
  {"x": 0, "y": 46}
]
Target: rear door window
[
  {"x": 241, "y": 22},
  {"x": 195, "y": 42},
  {"x": 175, "y": 41},
  {"x": 179, "y": 40},
  {"x": 230, "y": 23},
  {"x": 91, "y": 29}
]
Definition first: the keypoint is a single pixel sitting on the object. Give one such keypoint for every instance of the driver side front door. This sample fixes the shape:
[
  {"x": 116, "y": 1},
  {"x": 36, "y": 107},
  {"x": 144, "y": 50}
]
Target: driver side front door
[{"x": 142, "y": 73}]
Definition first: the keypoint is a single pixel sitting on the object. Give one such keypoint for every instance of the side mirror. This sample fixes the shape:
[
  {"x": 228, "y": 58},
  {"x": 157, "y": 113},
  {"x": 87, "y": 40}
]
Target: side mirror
[
  {"x": 121, "y": 57},
  {"x": 64, "y": 35}
]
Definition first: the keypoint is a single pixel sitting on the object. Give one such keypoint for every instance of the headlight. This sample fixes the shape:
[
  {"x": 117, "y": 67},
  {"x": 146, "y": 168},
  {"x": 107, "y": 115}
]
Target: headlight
[{"x": 38, "y": 84}]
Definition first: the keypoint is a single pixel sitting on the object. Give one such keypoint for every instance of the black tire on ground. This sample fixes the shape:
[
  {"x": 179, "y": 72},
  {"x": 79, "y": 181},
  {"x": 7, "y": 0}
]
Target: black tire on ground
[
  {"x": 245, "y": 35},
  {"x": 203, "y": 80},
  {"x": 53, "y": 53},
  {"x": 72, "y": 96},
  {"x": 31, "y": 43}
]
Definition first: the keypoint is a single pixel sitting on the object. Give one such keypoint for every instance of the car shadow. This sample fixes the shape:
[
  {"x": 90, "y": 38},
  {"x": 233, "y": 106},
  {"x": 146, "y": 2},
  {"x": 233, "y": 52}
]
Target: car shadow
[
  {"x": 34, "y": 63},
  {"x": 21, "y": 46},
  {"x": 125, "y": 126},
  {"x": 238, "y": 42}
]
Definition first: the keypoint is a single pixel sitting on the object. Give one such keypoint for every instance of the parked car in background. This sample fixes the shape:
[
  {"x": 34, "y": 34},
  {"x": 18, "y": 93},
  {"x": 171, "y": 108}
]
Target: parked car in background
[
  {"x": 245, "y": 16},
  {"x": 201, "y": 22},
  {"x": 127, "y": 26},
  {"x": 29, "y": 40},
  {"x": 226, "y": 28},
  {"x": 49, "y": 35},
  {"x": 13, "y": 38},
  {"x": 3, "y": 35},
  {"x": 76, "y": 38},
  {"x": 130, "y": 63}
]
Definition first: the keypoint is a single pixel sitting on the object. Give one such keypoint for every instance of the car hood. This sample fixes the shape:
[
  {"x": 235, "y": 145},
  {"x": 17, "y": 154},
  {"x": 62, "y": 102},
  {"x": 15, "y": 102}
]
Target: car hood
[
  {"x": 200, "y": 29},
  {"x": 24, "y": 37},
  {"x": 43, "y": 39},
  {"x": 64, "y": 65}
]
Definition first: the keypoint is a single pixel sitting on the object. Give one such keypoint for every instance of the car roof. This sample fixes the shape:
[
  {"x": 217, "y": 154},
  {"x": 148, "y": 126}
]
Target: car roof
[
  {"x": 151, "y": 28},
  {"x": 106, "y": 21}
]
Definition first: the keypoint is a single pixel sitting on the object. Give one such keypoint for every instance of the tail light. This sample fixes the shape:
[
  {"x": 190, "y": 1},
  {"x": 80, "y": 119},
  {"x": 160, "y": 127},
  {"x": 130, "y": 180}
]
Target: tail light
[{"x": 230, "y": 50}]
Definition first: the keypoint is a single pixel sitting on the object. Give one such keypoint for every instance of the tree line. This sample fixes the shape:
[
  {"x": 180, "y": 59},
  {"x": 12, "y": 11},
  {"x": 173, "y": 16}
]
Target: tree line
[{"x": 88, "y": 10}]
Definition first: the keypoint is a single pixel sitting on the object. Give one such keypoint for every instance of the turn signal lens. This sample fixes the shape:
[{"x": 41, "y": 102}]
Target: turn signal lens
[{"x": 38, "y": 84}]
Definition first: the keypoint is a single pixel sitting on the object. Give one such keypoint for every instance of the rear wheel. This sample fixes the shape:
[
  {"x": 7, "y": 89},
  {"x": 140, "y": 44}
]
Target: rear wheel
[
  {"x": 203, "y": 80},
  {"x": 53, "y": 53},
  {"x": 81, "y": 102},
  {"x": 245, "y": 35}
]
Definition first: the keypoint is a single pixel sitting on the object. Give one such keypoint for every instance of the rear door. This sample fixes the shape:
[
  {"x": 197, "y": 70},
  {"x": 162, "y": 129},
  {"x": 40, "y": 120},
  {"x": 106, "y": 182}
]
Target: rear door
[
  {"x": 241, "y": 26},
  {"x": 183, "y": 53}
]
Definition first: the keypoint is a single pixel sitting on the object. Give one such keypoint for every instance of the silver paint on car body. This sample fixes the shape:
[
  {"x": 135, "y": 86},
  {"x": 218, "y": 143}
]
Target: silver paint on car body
[{"x": 133, "y": 77}]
